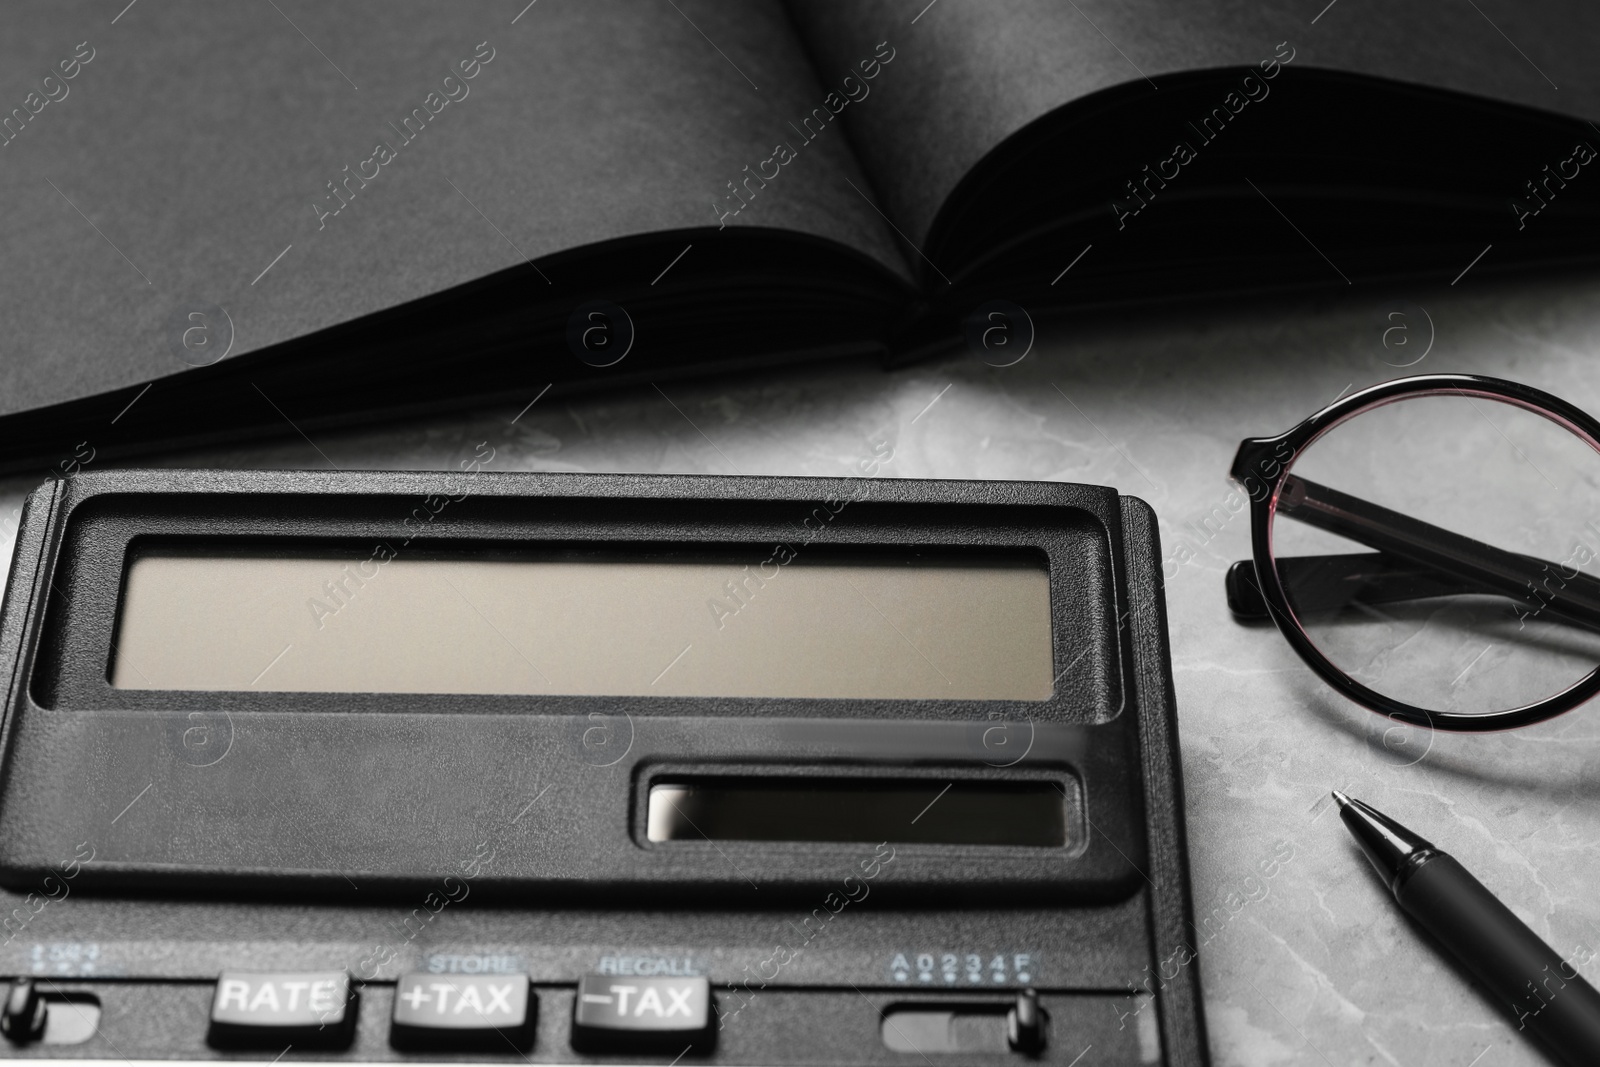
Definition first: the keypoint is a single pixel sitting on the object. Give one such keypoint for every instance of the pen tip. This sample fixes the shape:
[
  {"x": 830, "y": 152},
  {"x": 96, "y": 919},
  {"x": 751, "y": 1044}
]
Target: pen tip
[{"x": 1341, "y": 798}]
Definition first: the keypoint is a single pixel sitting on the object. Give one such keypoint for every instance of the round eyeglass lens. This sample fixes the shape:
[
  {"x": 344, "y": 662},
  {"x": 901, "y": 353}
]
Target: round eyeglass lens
[{"x": 1443, "y": 550}]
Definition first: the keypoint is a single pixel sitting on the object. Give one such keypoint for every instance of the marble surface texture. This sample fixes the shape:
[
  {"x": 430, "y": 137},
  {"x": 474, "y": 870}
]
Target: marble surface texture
[{"x": 1313, "y": 965}]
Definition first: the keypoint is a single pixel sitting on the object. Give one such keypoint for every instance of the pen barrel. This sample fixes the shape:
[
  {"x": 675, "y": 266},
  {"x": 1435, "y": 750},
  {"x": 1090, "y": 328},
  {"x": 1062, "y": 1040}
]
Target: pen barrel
[{"x": 1544, "y": 993}]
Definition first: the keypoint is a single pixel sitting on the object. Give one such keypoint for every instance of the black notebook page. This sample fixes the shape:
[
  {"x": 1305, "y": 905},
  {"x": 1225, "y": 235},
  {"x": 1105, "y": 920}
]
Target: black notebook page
[
  {"x": 188, "y": 158},
  {"x": 969, "y": 73}
]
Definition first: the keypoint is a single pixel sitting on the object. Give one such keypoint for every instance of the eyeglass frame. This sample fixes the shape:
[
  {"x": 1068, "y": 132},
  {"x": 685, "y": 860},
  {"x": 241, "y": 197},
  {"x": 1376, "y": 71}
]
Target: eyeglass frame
[{"x": 1267, "y": 462}]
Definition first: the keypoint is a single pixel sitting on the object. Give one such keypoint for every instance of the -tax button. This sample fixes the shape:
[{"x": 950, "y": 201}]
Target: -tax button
[
  {"x": 312, "y": 1009},
  {"x": 617, "y": 1011},
  {"x": 492, "y": 1012}
]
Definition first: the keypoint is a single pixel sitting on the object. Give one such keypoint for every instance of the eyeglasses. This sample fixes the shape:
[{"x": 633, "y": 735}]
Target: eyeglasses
[{"x": 1428, "y": 546}]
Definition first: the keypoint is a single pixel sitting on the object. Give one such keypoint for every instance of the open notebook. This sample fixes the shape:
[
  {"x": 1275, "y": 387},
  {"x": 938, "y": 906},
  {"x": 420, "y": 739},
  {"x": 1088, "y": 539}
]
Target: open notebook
[{"x": 223, "y": 219}]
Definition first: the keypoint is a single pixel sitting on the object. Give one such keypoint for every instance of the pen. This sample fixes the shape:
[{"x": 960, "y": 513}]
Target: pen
[{"x": 1544, "y": 993}]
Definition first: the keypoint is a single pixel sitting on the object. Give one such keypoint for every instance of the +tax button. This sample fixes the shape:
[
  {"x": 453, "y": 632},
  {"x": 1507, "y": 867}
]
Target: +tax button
[{"x": 491, "y": 1012}]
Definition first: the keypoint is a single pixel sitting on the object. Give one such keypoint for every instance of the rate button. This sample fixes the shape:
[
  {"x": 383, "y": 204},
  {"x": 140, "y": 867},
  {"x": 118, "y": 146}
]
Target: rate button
[{"x": 313, "y": 1009}]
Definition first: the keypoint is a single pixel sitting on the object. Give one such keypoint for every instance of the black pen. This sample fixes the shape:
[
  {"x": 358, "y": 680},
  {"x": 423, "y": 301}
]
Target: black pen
[{"x": 1544, "y": 993}]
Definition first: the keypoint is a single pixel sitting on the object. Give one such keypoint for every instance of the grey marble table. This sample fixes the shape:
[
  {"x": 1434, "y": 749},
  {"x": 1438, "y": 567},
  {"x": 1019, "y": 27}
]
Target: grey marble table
[{"x": 1313, "y": 965}]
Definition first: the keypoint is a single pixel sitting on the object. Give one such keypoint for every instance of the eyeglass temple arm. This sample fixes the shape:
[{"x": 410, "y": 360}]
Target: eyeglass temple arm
[
  {"x": 1323, "y": 583},
  {"x": 1415, "y": 559}
]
